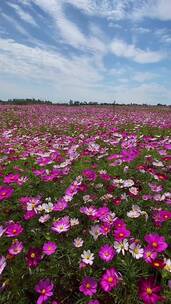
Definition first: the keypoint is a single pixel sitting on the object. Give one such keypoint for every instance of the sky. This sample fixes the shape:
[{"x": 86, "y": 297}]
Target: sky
[{"x": 86, "y": 50}]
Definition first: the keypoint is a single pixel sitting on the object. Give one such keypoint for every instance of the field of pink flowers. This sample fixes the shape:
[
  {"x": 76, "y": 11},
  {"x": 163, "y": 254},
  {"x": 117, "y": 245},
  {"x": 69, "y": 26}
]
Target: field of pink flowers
[{"x": 85, "y": 205}]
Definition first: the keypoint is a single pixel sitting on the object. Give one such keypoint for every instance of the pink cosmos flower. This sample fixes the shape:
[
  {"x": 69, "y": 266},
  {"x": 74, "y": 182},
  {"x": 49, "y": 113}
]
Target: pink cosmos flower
[
  {"x": 33, "y": 257},
  {"x": 149, "y": 254},
  {"x": 61, "y": 225},
  {"x": 107, "y": 253},
  {"x": 13, "y": 229},
  {"x": 119, "y": 223},
  {"x": 60, "y": 205},
  {"x": 2, "y": 264},
  {"x": 156, "y": 242},
  {"x": 5, "y": 193},
  {"x": 45, "y": 289},
  {"x": 49, "y": 248},
  {"x": 89, "y": 174},
  {"x": 110, "y": 279},
  {"x": 149, "y": 292},
  {"x": 102, "y": 212},
  {"x": 93, "y": 302},
  {"x": 161, "y": 216},
  {"x": 11, "y": 178},
  {"x": 16, "y": 248},
  {"x": 121, "y": 234},
  {"x": 105, "y": 229},
  {"x": 88, "y": 286}
]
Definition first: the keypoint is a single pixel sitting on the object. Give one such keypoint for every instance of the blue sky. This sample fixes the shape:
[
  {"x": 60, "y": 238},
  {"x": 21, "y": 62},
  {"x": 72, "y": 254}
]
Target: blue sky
[{"x": 93, "y": 50}]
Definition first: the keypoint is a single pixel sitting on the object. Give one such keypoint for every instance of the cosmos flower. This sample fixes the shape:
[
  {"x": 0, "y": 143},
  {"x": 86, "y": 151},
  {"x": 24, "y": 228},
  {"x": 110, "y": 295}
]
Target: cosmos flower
[
  {"x": 33, "y": 257},
  {"x": 45, "y": 289},
  {"x": 15, "y": 248},
  {"x": 13, "y": 229},
  {"x": 149, "y": 292},
  {"x": 61, "y": 225},
  {"x": 110, "y": 279},
  {"x": 107, "y": 253},
  {"x": 121, "y": 246},
  {"x": 60, "y": 205},
  {"x": 167, "y": 266},
  {"x": 136, "y": 250},
  {"x": 88, "y": 286},
  {"x": 156, "y": 242},
  {"x": 11, "y": 178},
  {"x": 95, "y": 231},
  {"x": 149, "y": 254},
  {"x": 5, "y": 193},
  {"x": 87, "y": 257},
  {"x": 2, "y": 263},
  {"x": 78, "y": 242},
  {"x": 121, "y": 233},
  {"x": 89, "y": 174},
  {"x": 49, "y": 248}
]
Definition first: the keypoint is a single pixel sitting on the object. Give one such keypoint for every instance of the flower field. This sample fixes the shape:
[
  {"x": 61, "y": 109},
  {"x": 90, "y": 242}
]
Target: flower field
[{"x": 85, "y": 205}]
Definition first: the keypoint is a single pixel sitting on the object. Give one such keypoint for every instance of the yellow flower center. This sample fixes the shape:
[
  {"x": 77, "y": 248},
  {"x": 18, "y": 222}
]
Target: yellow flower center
[
  {"x": 33, "y": 255},
  {"x": 121, "y": 234},
  {"x": 149, "y": 291},
  {"x": 43, "y": 291},
  {"x": 156, "y": 264},
  {"x": 14, "y": 231},
  {"x": 110, "y": 279},
  {"x": 154, "y": 244},
  {"x": 88, "y": 285},
  {"x": 136, "y": 251}
]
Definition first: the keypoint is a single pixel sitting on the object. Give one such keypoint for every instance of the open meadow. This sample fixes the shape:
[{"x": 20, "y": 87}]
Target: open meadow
[{"x": 85, "y": 204}]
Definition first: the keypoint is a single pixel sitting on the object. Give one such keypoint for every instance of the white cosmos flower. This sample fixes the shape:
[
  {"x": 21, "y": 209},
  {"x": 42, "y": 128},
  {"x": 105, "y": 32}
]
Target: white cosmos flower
[
  {"x": 168, "y": 265},
  {"x": 95, "y": 231},
  {"x": 74, "y": 222},
  {"x": 128, "y": 183},
  {"x": 121, "y": 246},
  {"x": 133, "y": 190},
  {"x": 135, "y": 212},
  {"x": 87, "y": 257},
  {"x": 136, "y": 251},
  {"x": 78, "y": 242}
]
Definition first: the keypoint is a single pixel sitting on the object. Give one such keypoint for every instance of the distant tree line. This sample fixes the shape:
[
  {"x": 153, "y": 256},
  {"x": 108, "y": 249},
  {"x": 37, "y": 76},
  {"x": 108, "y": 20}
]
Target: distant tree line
[
  {"x": 31, "y": 101},
  {"x": 25, "y": 101}
]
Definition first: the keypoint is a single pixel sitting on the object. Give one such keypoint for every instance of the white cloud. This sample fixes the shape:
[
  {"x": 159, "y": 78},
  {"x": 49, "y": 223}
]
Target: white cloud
[
  {"x": 155, "y": 9},
  {"x": 130, "y": 51},
  {"x": 22, "y": 14}
]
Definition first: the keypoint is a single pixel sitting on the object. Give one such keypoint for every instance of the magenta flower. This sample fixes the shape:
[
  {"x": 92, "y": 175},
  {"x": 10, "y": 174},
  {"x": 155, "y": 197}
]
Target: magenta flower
[
  {"x": 149, "y": 254},
  {"x": 15, "y": 248},
  {"x": 61, "y": 225},
  {"x": 89, "y": 174},
  {"x": 110, "y": 279},
  {"x": 156, "y": 242},
  {"x": 88, "y": 286},
  {"x": 13, "y": 229},
  {"x": 93, "y": 302},
  {"x": 33, "y": 257},
  {"x": 45, "y": 288},
  {"x": 121, "y": 233},
  {"x": 107, "y": 253},
  {"x": 5, "y": 193},
  {"x": 60, "y": 205},
  {"x": 49, "y": 248},
  {"x": 149, "y": 292},
  {"x": 119, "y": 223},
  {"x": 11, "y": 178},
  {"x": 2, "y": 264}
]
